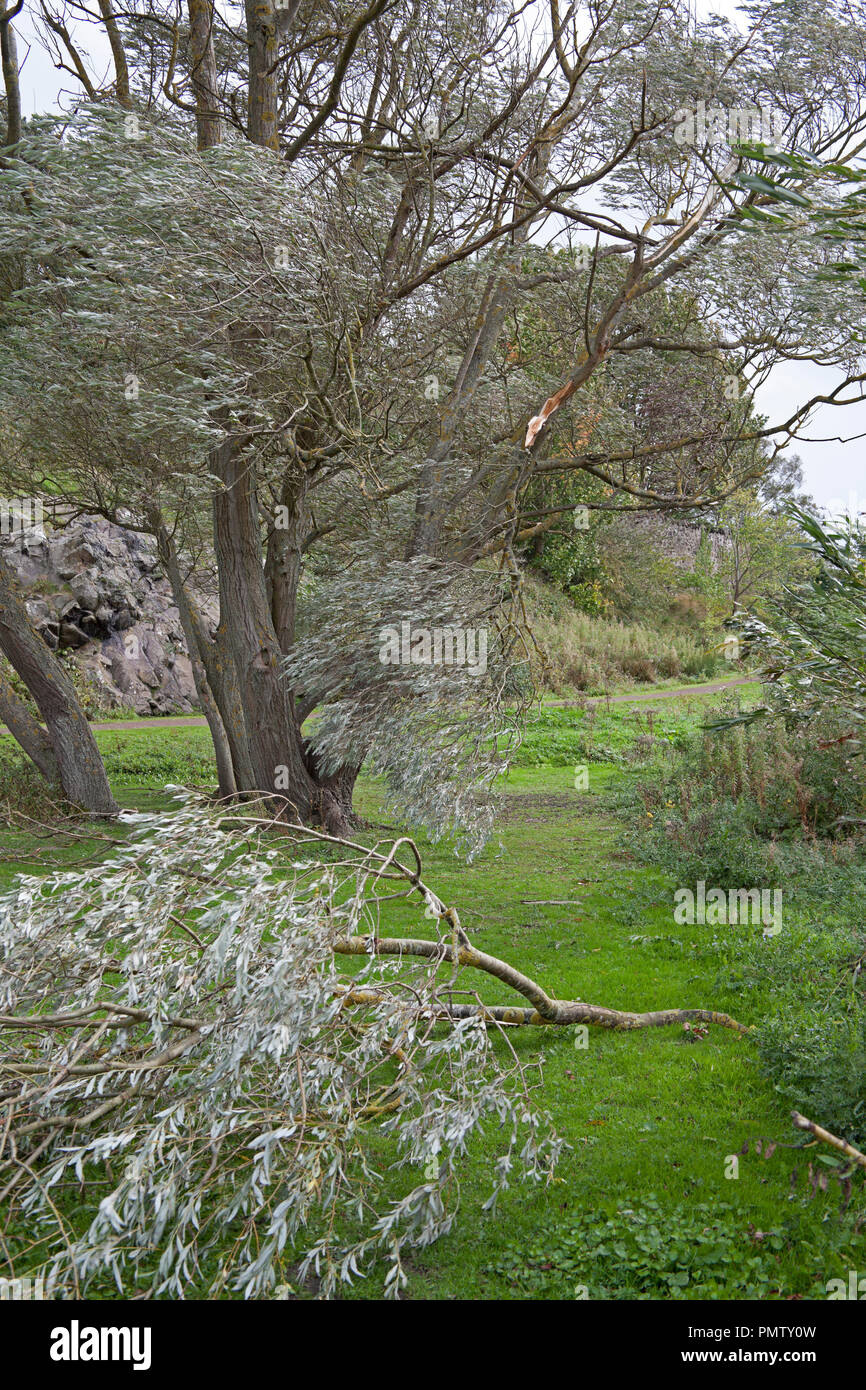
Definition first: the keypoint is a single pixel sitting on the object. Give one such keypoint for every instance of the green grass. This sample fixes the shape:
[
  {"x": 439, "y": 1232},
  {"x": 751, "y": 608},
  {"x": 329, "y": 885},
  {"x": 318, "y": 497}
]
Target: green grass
[
  {"x": 140, "y": 765},
  {"x": 651, "y": 1112},
  {"x": 641, "y": 1197},
  {"x": 559, "y": 735}
]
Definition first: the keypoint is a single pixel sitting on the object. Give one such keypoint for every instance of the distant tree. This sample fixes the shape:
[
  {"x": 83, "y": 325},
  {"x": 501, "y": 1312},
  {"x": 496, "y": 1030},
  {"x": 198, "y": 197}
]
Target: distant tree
[
  {"x": 763, "y": 553},
  {"x": 811, "y": 640}
]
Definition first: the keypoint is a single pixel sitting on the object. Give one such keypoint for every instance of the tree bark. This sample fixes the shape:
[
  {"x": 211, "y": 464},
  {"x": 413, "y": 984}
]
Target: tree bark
[
  {"x": 25, "y": 730},
  {"x": 245, "y": 664},
  {"x": 204, "y": 74},
  {"x": 273, "y": 736},
  {"x": 284, "y": 557},
  {"x": 262, "y": 98},
  {"x": 225, "y": 684},
  {"x": 9, "y": 54},
  {"x": 79, "y": 765},
  {"x": 191, "y": 625},
  {"x": 121, "y": 69}
]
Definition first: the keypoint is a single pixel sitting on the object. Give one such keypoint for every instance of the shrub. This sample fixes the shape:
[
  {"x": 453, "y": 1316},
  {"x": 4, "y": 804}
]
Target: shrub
[
  {"x": 819, "y": 1064},
  {"x": 640, "y": 668},
  {"x": 762, "y": 804},
  {"x": 592, "y": 653},
  {"x": 724, "y": 809},
  {"x": 811, "y": 1035},
  {"x": 24, "y": 793}
]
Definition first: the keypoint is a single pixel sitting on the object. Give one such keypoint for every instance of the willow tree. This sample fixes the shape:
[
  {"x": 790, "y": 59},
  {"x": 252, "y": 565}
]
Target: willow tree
[{"x": 283, "y": 325}]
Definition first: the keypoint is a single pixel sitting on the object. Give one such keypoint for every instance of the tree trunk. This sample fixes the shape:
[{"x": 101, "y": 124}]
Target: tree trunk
[
  {"x": 262, "y": 99},
  {"x": 203, "y": 72},
  {"x": 79, "y": 765},
  {"x": 25, "y": 730},
  {"x": 433, "y": 499},
  {"x": 283, "y": 560},
  {"x": 245, "y": 663},
  {"x": 335, "y": 790},
  {"x": 225, "y": 684},
  {"x": 273, "y": 736},
  {"x": 191, "y": 623},
  {"x": 121, "y": 69},
  {"x": 9, "y": 53}
]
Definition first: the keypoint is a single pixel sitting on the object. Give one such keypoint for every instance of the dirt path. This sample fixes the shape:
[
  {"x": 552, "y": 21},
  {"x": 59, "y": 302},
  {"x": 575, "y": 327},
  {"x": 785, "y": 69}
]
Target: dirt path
[
  {"x": 189, "y": 721},
  {"x": 197, "y": 721},
  {"x": 712, "y": 689},
  {"x": 160, "y": 721}
]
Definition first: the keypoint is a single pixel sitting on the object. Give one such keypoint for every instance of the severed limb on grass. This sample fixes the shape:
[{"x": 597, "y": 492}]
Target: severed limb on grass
[
  {"x": 824, "y": 1134},
  {"x": 105, "y": 1033},
  {"x": 544, "y": 1009},
  {"x": 455, "y": 948},
  {"x": 187, "y": 999}
]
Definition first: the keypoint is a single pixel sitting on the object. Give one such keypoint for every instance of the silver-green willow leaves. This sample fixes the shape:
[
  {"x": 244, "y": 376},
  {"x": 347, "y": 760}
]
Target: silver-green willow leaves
[{"x": 230, "y": 1101}]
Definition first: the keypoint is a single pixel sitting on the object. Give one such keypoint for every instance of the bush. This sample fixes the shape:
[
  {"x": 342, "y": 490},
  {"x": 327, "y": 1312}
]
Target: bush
[
  {"x": 640, "y": 668},
  {"x": 725, "y": 809},
  {"x": 819, "y": 1064},
  {"x": 812, "y": 1045},
  {"x": 717, "y": 844},
  {"x": 593, "y": 654},
  {"x": 764, "y": 805}
]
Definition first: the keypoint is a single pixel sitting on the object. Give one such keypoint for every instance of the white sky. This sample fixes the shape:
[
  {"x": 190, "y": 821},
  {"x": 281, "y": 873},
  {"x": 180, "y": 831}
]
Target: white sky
[
  {"x": 834, "y": 470},
  {"x": 41, "y": 82}
]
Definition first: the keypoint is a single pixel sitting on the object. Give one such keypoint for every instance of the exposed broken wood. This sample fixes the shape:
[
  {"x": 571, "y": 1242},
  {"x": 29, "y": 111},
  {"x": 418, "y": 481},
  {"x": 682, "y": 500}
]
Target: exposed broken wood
[{"x": 824, "y": 1134}]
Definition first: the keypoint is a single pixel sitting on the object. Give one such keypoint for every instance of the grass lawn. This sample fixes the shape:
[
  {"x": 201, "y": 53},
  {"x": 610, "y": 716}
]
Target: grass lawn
[{"x": 641, "y": 1204}]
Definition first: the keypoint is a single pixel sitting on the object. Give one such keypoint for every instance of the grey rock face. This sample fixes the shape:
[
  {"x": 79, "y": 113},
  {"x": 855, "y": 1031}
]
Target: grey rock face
[
  {"x": 97, "y": 590},
  {"x": 678, "y": 540}
]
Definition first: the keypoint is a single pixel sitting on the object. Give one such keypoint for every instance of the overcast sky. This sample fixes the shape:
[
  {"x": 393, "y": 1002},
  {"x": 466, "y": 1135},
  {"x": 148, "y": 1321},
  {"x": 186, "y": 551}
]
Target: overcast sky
[{"x": 834, "y": 471}]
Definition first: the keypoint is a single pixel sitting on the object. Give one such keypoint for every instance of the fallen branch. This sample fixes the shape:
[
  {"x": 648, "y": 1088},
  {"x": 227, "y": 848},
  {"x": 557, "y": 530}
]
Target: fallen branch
[
  {"x": 182, "y": 1007},
  {"x": 545, "y": 1010},
  {"x": 824, "y": 1134}
]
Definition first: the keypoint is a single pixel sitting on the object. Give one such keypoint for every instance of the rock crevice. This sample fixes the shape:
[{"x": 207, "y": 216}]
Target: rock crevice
[{"x": 97, "y": 591}]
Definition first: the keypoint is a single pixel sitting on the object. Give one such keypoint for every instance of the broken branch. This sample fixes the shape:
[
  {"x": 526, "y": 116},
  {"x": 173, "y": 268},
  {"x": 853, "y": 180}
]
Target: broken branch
[{"x": 824, "y": 1134}]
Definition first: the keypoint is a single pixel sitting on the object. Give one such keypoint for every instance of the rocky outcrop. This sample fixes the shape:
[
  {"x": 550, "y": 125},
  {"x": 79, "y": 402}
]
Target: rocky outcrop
[
  {"x": 678, "y": 540},
  {"x": 97, "y": 590}
]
